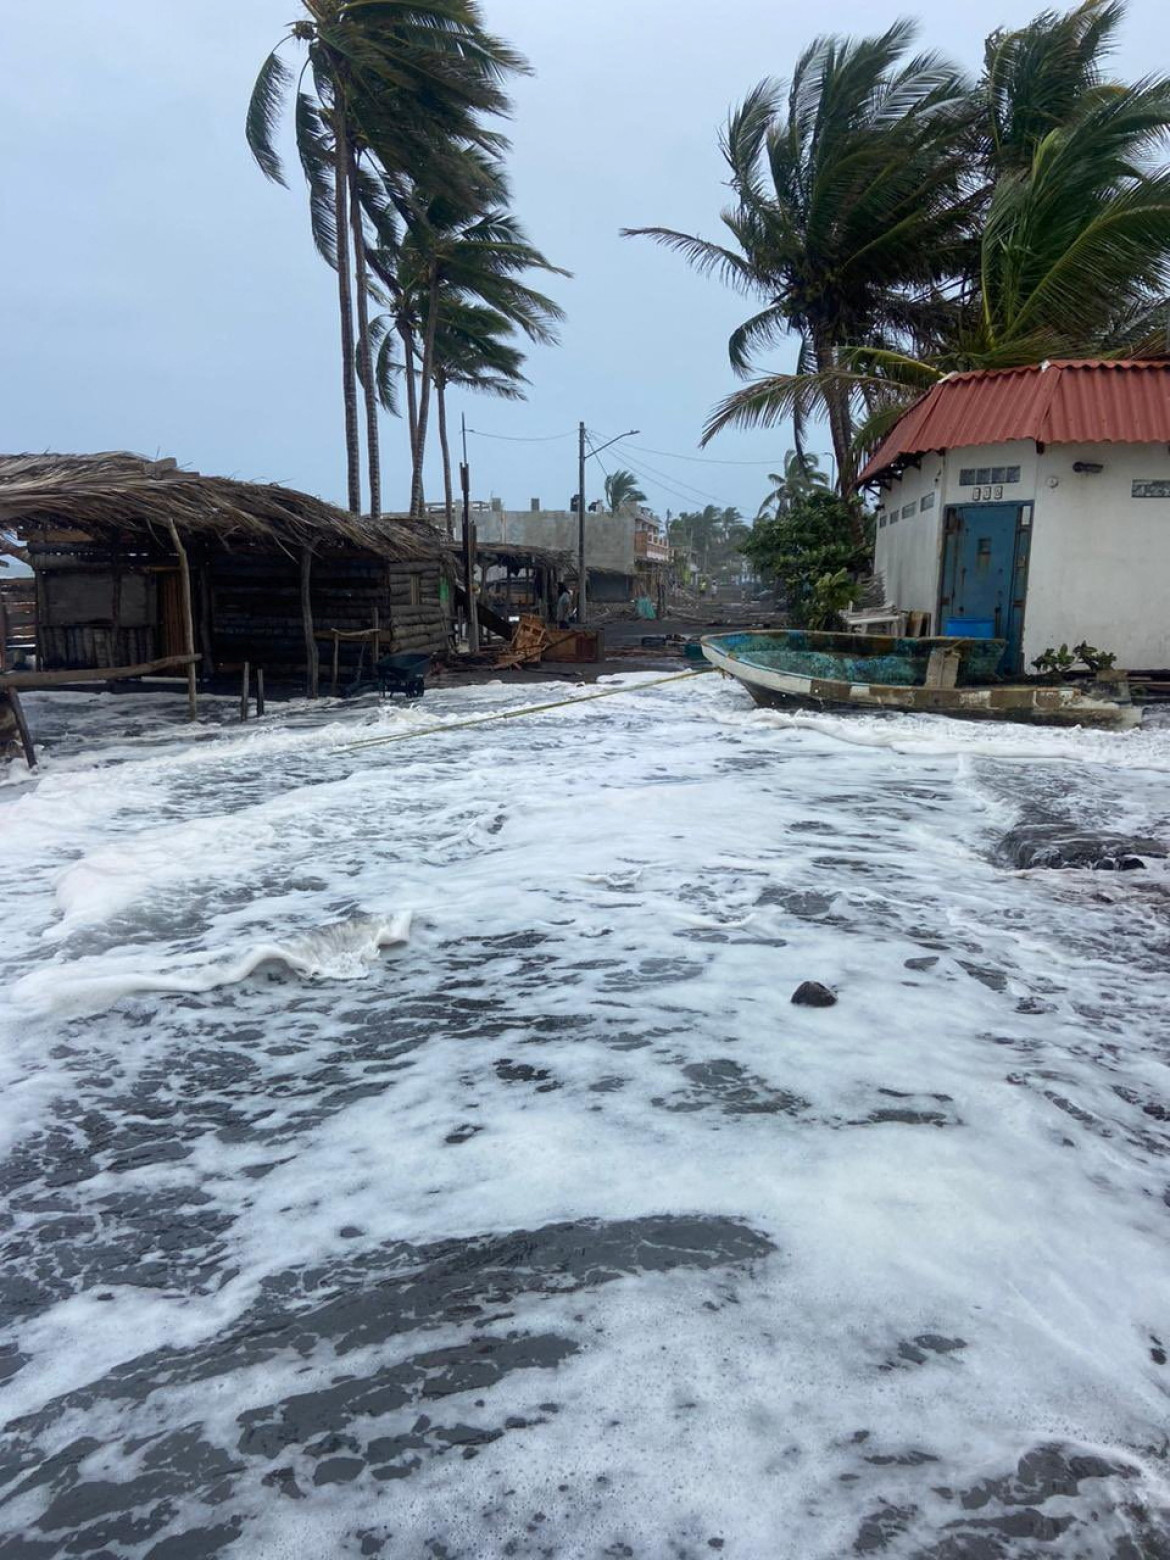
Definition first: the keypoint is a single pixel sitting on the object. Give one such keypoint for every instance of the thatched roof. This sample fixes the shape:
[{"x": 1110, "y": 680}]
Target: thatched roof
[
  {"x": 121, "y": 494},
  {"x": 521, "y": 556}
]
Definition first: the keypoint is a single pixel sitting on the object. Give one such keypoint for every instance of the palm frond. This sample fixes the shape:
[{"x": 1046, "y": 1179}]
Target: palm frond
[
  {"x": 707, "y": 258},
  {"x": 263, "y": 117}
]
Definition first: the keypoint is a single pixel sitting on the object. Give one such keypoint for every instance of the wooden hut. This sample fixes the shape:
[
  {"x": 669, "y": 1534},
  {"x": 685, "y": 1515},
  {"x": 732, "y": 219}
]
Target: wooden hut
[{"x": 142, "y": 566}]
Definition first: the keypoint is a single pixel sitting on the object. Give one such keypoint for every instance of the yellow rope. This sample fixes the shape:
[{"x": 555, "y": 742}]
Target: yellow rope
[{"x": 526, "y": 709}]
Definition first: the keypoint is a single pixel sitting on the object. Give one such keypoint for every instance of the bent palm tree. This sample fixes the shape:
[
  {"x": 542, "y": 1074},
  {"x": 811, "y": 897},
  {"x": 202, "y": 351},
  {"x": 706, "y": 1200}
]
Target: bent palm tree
[
  {"x": 1069, "y": 247},
  {"x": 403, "y": 85},
  {"x": 453, "y": 258},
  {"x": 847, "y": 211},
  {"x": 621, "y": 488},
  {"x": 801, "y": 475}
]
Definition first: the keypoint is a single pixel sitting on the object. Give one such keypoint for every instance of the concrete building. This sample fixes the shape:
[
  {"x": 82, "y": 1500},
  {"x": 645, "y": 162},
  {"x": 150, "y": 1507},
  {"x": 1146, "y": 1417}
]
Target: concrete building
[
  {"x": 609, "y": 542},
  {"x": 1034, "y": 504}
]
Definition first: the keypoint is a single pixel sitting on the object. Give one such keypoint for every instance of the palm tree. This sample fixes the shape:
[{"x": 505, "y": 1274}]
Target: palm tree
[
  {"x": 1038, "y": 78},
  {"x": 701, "y": 528},
  {"x": 455, "y": 257},
  {"x": 621, "y": 488},
  {"x": 801, "y": 475},
  {"x": 1073, "y": 258},
  {"x": 397, "y": 90},
  {"x": 847, "y": 208},
  {"x": 473, "y": 351},
  {"x": 1057, "y": 241}
]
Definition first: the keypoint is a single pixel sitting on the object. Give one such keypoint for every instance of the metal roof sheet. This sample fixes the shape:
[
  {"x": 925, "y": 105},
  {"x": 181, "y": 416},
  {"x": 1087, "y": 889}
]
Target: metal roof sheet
[{"x": 1067, "y": 402}]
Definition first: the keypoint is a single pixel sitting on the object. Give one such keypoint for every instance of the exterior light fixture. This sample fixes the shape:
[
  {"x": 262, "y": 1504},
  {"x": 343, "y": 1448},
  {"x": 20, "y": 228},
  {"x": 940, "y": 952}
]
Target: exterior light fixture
[{"x": 1088, "y": 468}]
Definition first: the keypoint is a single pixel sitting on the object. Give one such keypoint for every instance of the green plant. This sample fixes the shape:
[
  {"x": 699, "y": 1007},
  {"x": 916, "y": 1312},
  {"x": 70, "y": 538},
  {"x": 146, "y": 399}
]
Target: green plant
[
  {"x": 1053, "y": 662},
  {"x": 1096, "y": 660},
  {"x": 829, "y": 597},
  {"x": 815, "y": 551}
]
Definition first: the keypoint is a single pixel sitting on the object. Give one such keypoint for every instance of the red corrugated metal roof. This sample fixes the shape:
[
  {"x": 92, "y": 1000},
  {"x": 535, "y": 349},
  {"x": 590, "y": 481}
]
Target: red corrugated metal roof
[{"x": 1082, "y": 402}]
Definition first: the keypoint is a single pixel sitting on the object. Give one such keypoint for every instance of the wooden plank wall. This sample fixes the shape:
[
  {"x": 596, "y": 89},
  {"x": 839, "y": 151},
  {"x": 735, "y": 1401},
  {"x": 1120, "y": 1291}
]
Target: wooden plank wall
[
  {"x": 255, "y": 606},
  {"x": 93, "y": 614}
]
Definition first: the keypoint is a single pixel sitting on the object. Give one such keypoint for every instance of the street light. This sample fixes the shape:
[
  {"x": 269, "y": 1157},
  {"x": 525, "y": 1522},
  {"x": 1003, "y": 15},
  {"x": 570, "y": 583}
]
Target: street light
[{"x": 582, "y": 606}]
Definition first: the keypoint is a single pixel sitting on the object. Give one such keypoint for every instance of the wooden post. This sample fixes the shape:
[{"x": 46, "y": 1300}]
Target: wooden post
[
  {"x": 116, "y": 614},
  {"x": 244, "y": 687},
  {"x": 377, "y": 637},
  {"x": 469, "y": 559},
  {"x": 259, "y": 690},
  {"x": 3, "y": 635},
  {"x": 188, "y": 623},
  {"x": 307, "y": 619},
  {"x": 207, "y": 666},
  {"x": 336, "y": 659},
  {"x": 26, "y": 741}
]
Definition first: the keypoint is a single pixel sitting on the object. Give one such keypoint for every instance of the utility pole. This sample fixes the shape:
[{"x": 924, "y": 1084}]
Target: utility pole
[
  {"x": 582, "y": 603},
  {"x": 582, "y": 606},
  {"x": 469, "y": 550}
]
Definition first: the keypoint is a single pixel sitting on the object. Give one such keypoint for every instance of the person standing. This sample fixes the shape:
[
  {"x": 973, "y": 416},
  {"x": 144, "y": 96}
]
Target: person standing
[{"x": 564, "y": 606}]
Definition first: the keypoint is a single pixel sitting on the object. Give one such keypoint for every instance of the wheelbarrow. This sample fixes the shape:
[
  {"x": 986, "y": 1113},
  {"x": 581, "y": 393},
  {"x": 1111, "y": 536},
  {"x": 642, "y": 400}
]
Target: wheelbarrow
[{"x": 403, "y": 673}]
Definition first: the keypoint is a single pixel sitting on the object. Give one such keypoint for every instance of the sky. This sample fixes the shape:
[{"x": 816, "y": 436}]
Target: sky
[{"x": 159, "y": 295}]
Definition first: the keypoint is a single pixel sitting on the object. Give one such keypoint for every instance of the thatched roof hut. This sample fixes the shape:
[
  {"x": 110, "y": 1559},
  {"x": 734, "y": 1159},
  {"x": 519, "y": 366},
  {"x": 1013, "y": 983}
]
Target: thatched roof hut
[
  {"x": 119, "y": 494},
  {"x": 138, "y": 562}
]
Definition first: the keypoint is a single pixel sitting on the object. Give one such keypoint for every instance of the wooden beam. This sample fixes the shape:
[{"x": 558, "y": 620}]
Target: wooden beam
[
  {"x": 188, "y": 622},
  {"x": 59, "y": 679},
  {"x": 26, "y": 741},
  {"x": 311, "y": 666}
]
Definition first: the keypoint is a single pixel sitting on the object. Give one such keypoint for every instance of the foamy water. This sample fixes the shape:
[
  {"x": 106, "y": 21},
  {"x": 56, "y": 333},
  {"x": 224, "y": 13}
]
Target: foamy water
[{"x": 413, "y": 1150}]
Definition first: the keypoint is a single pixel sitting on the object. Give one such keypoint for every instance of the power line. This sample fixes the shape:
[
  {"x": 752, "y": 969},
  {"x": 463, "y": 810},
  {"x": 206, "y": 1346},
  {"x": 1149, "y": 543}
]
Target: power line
[
  {"x": 689, "y": 486},
  {"x": 701, "y": 460},
  {"x": 681, "y": 491},
  {"x": 667, "y": 487},
  {"x": 513, "y": 438}
]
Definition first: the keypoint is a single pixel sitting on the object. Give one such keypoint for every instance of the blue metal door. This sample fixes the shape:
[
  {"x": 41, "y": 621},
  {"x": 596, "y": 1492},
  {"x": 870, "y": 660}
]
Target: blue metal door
[{"x": 985, "y": 572}]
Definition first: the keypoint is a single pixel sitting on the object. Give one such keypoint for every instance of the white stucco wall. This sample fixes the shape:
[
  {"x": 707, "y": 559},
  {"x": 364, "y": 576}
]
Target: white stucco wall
[
  {"x": 1100, "y": 558},
  {"x": 1100, "y": 566},
  {"x": 906, "y": 548}
]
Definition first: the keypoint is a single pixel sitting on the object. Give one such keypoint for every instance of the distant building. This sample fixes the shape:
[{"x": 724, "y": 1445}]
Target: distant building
[
  {"x": 1033, "y": 504},
  {"x": 609, "y": 543}
]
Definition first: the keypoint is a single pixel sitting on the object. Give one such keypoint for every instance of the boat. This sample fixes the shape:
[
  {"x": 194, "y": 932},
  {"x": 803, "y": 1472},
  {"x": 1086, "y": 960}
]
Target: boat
[{"x": 940, "y": 676}]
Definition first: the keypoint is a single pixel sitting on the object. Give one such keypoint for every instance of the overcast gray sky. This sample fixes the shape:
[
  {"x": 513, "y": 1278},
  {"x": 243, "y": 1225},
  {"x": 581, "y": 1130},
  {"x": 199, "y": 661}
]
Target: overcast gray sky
[{"x": 160, "y": 296}]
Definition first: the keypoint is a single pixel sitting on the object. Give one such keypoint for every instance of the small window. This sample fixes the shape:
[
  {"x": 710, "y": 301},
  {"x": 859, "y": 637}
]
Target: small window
[
  {"x": 1156, "y": 487},
  {"x": 982, "y": 475},
  {"x": 999, "y": 474},
  {"x": 1011, "y": 474},
  {"x": 926, "y": 502},
  {"x": 893, "y": 517},
  {"x": 908, "y": 510},
  {"x": 881, "y": 522},
  {"x": 967, "y": 476}
]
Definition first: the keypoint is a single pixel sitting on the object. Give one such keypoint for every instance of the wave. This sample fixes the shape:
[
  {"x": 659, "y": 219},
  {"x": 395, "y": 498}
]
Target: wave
[{"x": 343, "y": 950}]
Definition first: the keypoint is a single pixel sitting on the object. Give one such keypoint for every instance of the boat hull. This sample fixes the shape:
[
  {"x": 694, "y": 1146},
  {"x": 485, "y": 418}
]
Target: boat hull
[{"x": 1033, "y": 703}]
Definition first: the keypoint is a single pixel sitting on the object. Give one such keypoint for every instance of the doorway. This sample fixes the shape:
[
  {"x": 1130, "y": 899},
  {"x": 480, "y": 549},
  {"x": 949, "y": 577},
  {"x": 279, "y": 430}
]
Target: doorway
[{"x": 985, "y": 572}]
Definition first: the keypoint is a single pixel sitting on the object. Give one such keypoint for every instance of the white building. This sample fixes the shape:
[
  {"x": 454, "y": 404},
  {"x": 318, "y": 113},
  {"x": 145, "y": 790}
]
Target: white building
[{"x": 1035, "y": 501}]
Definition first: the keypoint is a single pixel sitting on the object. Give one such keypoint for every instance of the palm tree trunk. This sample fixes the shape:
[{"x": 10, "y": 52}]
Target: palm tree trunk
[
  {"x": 448, "y": 495},
  {"x": 407, "y": 334},
  {"x": 424, "y": 393},
  {"x": 840, "y": 422},
  {"x": 365, "y": 357},
  {"x": 353, "y": 457}
]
